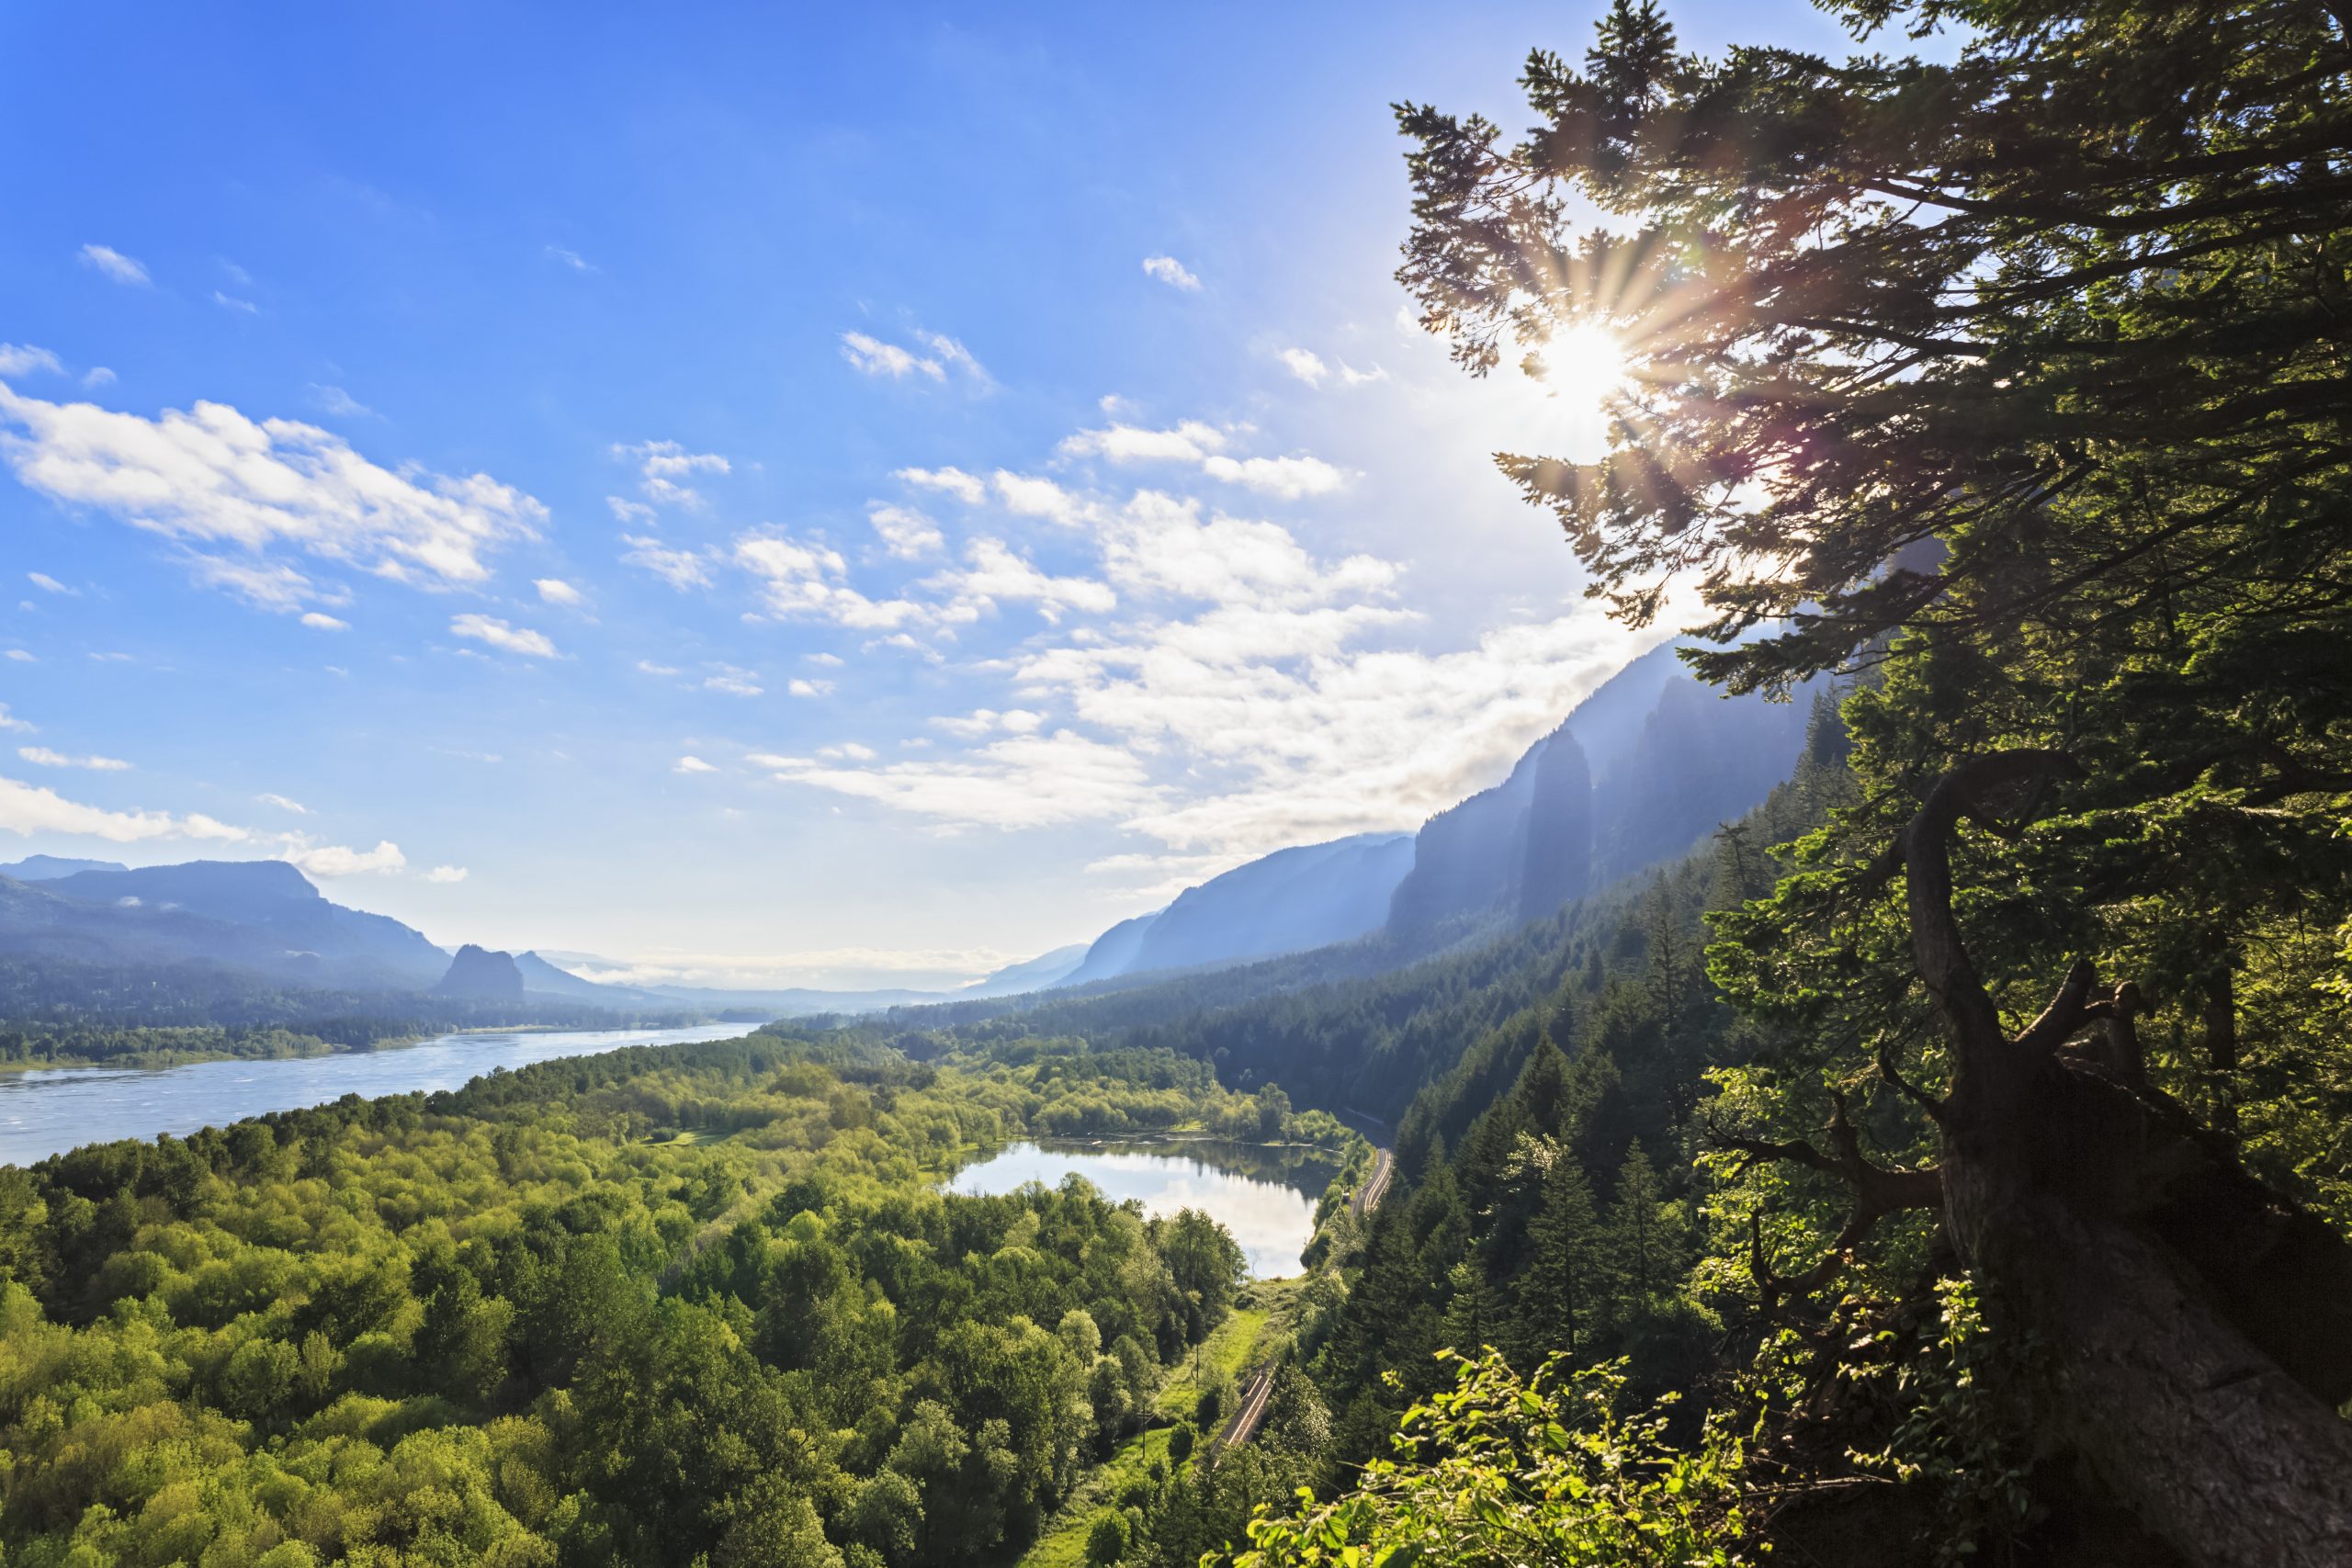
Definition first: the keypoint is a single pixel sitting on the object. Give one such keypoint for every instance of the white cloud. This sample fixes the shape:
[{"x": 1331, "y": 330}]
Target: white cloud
[
  {"x": 628, "y": 510},
  {"x": 1191, "y": 441},
  {"x": 993, "y": 573},
  {"x": 681, "y": 570},
  {"x": 956, "y": 355},
  {"x": 283, "y": 804},
  {"x": 229, "y": 302},
  {"x": 967, "y": 488},
  {"x": 27, "y": 809},
  {"x": 650, "y": 667},
  {"x": 847, "y": 752},
  {"x": 801, "y": 579},
  {"x": 828, "y": 660},
  {"x": 446, "y": 874},
  {"x": 48, "y": 584},
  {"x": 212, "y": 476},
  {"x": 1355, "y": 377},
  {"x": 904, "y": 532},
  {"x": 1171, "y": 272},
  {"x": 98, "y": 376},
  {"x": 264, "y": 584},
  {"x": 1305, "y": 364},
  {"x": 21, "y": 656},
  {"x": 1026, "y": 780},
  {"x": 336, "y": 860},
  {"x": 24, "y": 359},
  {"x": 1026, "y": 495},
  {"x": 569, "y": 258},
  {"x": 663, "y": 469},
  {"x": 45, "y": 758},
  {"x": 556, "y": 591},
  {"x": 336, "y": 402},
  {"x": 1290, "y": 478},
  {"x": 872, "y": 356},
  {"x": 499, "y": 635},
  {"x": 801, "y": 687},
  {"x": 10, "y": 721},
  {"x": 733, "y": 681},
  {"x": 113, "y": 265},
  {"x": 318, "y": 621},
  {"x": 987, "y": 721},
  {"x": 691, "y": 765}
]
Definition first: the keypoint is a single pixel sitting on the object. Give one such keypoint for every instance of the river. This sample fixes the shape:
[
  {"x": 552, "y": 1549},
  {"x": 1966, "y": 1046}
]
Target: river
[
  {"x": 1265, "y": 1197},
  {"x": 46, "y": 1111}
]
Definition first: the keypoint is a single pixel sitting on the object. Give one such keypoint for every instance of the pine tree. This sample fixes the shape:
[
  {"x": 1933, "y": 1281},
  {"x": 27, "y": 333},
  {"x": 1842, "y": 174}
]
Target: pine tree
[
  {"x": 1559, "y": 1295},
  {"x": 1638, "y": 1236}
]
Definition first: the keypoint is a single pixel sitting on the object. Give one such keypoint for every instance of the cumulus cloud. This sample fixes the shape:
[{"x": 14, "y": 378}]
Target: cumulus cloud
[
  {"x": 446, "y": 874},
  {"x": 1305, "y": 364},
  {"x": 10, "y": 721},
  {"x": 98, "y": 376},
  {"x": 691, "y": 765},
  {"x": 681, "y": 570},
  {"x": 24, "y": 359},
  {"x": 212, "y": 476},
  {"x": 30, "y": 808},
  {"x": 904, "y": 532},
  {"x": 650, "y": 668},
  {"x": 803, "y": 580},
  {"x": 801, "y": 687},
  {"x": 1027, "y": 495},
  {"x": 556, "y": 591},
  {"x": 283, "y": 804},
  {"x": 663, "y": 471},
  {"x": 1203, "y": 446},
  {"x": 993, "y": 573},
  {"x": 1171, "y": 272},
  {"x": 113, "y": 265},
  {"x": 733, "y": 681},
  {"x": 499, "y": 635},
  {"x": 318, "y": 621},
  {"x": 970, "y": 489},
  {"x": 1289, "y": 478},
  {"x": 988, "y": 721},
  {"x": 337, "y": 859},
  {"x": 45, "y": 758}
]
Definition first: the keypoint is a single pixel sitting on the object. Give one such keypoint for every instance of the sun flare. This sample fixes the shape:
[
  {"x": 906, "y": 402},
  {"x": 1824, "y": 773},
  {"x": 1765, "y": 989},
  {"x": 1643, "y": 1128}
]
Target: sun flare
[{"x": 1585, "y": 367}]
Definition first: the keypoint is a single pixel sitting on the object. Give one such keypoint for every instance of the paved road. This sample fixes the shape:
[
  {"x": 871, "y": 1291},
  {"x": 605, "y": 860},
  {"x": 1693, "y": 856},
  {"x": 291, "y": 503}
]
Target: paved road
[{"x": 1252, "y": 1410}]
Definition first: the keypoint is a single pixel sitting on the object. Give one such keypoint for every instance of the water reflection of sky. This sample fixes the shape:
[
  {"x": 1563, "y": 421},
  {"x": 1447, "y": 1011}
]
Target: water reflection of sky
[
  {"x": 48, "y": 1111},
  {"x": 1272, "y": 1220}
]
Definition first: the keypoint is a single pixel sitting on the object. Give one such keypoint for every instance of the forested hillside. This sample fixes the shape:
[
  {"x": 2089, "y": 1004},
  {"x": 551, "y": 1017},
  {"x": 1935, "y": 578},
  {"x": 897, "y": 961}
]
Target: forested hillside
[{"x": 2008, "y": 1222}]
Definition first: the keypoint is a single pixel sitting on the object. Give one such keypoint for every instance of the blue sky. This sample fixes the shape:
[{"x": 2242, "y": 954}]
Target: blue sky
[{"x": 764, "y": 494}]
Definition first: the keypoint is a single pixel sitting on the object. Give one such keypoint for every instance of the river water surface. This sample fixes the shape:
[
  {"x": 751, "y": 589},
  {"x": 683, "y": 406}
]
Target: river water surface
[
  {"x": 1264, "y": 1196},
  {"x": 50, "y": 1110}
]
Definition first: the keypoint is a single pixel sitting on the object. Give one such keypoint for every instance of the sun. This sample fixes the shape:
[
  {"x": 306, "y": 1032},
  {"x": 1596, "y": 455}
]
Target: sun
[{"x": 1585, "y": 367}]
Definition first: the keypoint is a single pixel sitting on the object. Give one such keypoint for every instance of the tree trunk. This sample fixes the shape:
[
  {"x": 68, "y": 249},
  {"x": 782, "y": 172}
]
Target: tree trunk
[{"x": 2197, "y": 1326}]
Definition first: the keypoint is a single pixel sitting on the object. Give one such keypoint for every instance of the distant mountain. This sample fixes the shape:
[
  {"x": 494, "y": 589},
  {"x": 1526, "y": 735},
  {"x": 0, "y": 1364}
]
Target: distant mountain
[
  {"x": 1647, "y": 764},
  {"x": 47, "y": 868},
  {"x": 478, "y": 972},
  {"x": 1041, "y": 973},
  {"x": 543, "y": 978},
  {"x": 263, "y": 917}
]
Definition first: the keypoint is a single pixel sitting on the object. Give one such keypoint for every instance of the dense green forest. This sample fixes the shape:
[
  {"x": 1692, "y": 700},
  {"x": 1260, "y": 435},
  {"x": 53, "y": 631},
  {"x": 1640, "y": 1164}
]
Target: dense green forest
[{"x": 692, "y": 1304}]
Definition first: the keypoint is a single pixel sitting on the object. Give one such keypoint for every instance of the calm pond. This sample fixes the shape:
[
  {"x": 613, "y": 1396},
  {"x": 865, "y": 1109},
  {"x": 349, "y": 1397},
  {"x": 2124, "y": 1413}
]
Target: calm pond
[
  {"x": 1264, "y": 1196},
  {"x": 46, "y": 1111}
]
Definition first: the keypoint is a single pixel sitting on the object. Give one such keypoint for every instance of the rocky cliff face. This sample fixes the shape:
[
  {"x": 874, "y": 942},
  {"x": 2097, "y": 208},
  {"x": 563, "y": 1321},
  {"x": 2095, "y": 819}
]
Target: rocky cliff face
[{"x": 479, "y": 973}]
